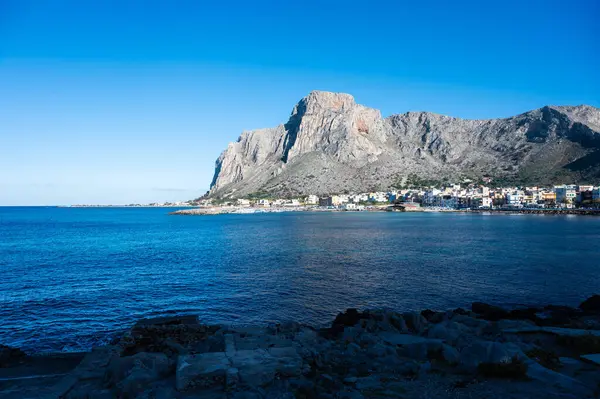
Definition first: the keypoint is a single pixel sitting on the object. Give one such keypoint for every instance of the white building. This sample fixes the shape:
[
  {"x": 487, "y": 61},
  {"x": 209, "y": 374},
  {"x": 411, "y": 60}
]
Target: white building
[
  {"x": 377, "y": 197},
  {"x": 482, "y": 202},
  {"x": 292, "y": 202},
  {"x": 312, "y": 200},
  {"x": 359, "y": 198},
  {"x": 515, "y": 198},
  {"x": 263, "y": 202},
  {"x": 243, "y": 202},
  {"x": 343, "y": 198}
]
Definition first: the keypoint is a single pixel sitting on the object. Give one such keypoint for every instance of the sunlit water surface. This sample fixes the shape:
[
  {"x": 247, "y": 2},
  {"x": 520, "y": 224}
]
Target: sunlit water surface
[{"x": 73, "y": 278}]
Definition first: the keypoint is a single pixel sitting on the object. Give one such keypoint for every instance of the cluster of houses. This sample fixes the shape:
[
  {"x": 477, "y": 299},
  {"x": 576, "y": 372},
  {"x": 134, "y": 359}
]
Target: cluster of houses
[
  {"x": 562, "y": 196},
  {"x": 453, "y": 196}
]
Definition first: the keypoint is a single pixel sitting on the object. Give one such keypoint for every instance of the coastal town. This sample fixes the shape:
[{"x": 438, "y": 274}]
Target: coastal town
[{"x": 452, "y": 197}]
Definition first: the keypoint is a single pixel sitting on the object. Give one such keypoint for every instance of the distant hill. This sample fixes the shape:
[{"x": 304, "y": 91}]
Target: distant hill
[{"x": 330, "y": 144}]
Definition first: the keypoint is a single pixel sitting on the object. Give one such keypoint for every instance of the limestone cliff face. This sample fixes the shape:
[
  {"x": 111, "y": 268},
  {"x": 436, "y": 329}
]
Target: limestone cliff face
[{"x": 331, "y": 144}]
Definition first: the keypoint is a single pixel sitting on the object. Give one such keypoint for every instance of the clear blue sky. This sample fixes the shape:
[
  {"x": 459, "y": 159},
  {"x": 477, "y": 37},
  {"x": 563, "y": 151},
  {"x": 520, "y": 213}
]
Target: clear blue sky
[{"x": 132, "y": 101}]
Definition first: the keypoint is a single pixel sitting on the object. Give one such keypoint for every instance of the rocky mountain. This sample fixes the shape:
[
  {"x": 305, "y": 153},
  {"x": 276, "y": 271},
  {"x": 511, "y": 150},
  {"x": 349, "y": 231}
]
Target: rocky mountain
[{"x": 330, "y": 144}]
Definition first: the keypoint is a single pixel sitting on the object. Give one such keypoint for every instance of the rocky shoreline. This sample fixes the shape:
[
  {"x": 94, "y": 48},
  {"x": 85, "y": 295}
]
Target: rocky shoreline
[
  {"x": 484, "y": 352},
  {"x": 588, "y": 212},
  {"x": 226, "y": 210}
]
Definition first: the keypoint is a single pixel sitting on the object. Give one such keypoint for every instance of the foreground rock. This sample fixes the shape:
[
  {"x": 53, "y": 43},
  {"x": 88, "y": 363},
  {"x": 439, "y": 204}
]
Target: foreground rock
[{"x": 488, "y": 352}]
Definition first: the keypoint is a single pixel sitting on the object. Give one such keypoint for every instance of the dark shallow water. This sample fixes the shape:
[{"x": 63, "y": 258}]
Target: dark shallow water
[{"x": 71, "y": 278}]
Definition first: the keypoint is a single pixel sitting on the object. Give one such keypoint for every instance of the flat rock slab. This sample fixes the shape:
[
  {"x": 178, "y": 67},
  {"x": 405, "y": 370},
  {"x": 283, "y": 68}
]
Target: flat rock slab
[
  {"x": 250, "y": 343},
  {"x": 567, "y": 332},
  {"x": 201, "y": 371},
  {"x": 537, "y": 372},
  {"x": 92, "y": 367},
  {"x": 249, "y": 367},
  {"x": 406, "y": 339},
  {"x": 594, "y": 358},
  {"x": 571, "y": 332},
  {"x": 259, "y": 367}
]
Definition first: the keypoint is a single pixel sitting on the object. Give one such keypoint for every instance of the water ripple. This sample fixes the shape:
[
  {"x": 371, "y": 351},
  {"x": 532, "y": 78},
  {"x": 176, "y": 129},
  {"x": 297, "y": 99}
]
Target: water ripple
[{"x": 74, "y": 278}]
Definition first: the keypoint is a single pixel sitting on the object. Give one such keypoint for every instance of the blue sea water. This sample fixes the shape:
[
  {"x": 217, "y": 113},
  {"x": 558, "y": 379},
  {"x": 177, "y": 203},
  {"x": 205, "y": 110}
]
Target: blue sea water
[{"x": 71, "y": 278}]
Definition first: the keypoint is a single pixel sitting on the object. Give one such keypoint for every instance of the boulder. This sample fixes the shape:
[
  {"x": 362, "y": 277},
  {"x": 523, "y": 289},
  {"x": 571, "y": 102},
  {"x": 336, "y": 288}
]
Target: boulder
[
  {"x": 515, "y": 324},
  {"x": 592, "y": 304},
  {"x": 471, "y": 325},
  {"x": 594, "y": 358},
  {"x": 259, "y": 367},
  {"x": 461, "y": 311},
  {"x": 413, "y": 346},
  {"x": 537, "y": 372},
  {"x": 11, "y": 356},
  {"x": 349, "y": 318},
  {"x": 378, "y": 350},
  {"x": 351, "y": 334},
  {"x": 167, "y": 321},
  {"x": 131, "y": 375},
  {"x": 172, "y": 335},
  {"x": 562, "y": 332},
  {"x": 201, "y": 371},
  {"x": 135, "y": 383},
  {"x": 441, "y": 331},
  {"x": 350, "y": 395},
  {"x": 524, "y": 314},
  {"x": 159, "y": 392},
  {"x": 398, "y": 322},
  {"x": 553, "y": 315},
  {"x": 415, "y": 322},
  {"x": 484, "y": 352},
  {"x": 404, "y": 339},
  {"x": 246, "y": 395},
  {"x": 368, "y": 383},
  {"x": 450, "y": 354},
  {"x": 489, "y": 312},
  {"x": 432, "y": 316}
]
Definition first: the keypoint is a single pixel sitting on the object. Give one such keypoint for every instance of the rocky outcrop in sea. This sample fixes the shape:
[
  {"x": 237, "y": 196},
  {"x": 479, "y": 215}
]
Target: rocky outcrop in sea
[
  {"x": 484, "y": 352},
  {"x": 331, "y": 144}
]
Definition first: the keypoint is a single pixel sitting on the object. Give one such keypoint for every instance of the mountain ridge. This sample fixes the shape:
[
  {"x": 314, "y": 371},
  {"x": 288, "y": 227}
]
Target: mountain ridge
[{"x": 332, "y": 144}]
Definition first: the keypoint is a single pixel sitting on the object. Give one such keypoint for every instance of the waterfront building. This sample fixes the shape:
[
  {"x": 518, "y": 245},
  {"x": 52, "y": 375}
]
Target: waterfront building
[
  {"x": 448, "y": 201},
  {"x": 548, "y": 197},
  {"x": 565, "y": 194},
  {"x": 481, "y": 202},
  {"x": 377, "y": 197},
  {"x": 243, "y": 202},
  {"x": 343, "y": 198},
  {"x": 312, "y": 200},
  {"x": 292, "y": 202},
  {"x": 430, "y": 196},
  {"x": 515, "y": 198},
  {"x": 263, "y": 202},
  {"x": 326, "y": 201}
]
